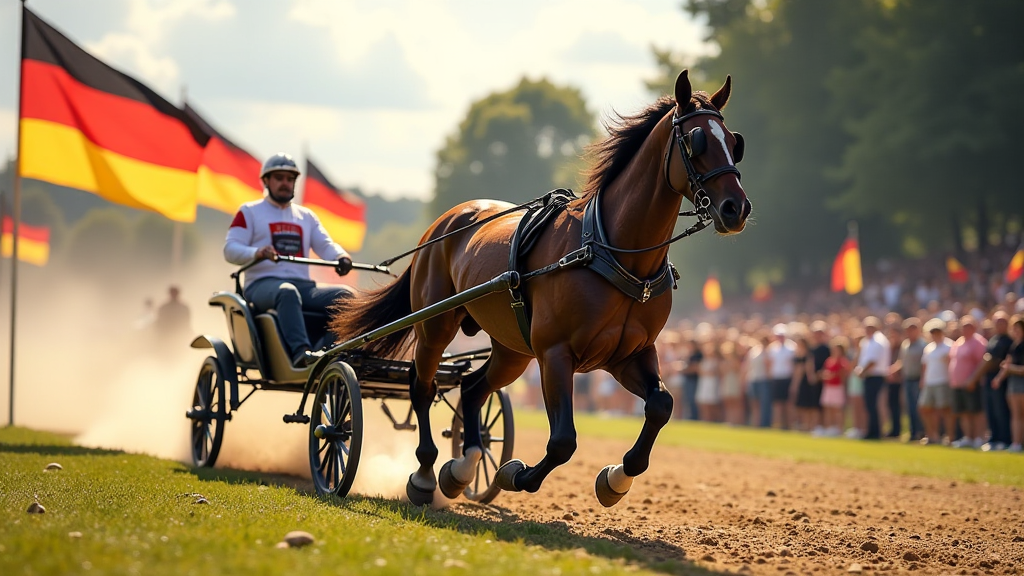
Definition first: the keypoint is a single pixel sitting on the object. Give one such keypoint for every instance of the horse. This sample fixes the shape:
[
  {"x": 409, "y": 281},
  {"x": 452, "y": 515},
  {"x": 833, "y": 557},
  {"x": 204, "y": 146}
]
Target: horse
[{"x": 579, "y": 322}]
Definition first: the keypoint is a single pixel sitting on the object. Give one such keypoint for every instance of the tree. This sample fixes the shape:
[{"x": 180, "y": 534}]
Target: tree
[
  {"x": 934, "y": 118},
  {"x": 514, "y": 145}
]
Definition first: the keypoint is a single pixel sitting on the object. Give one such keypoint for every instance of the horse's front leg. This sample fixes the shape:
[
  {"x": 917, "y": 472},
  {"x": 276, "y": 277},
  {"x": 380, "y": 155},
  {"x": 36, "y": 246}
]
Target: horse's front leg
[
  {"x": 640, "y": 376},
  {"x": 556, "y": 370}
]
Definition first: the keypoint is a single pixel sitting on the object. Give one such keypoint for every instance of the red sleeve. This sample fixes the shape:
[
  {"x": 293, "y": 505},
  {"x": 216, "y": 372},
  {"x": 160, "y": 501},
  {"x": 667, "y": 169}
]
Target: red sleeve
[{"x": 239, "y": 221}]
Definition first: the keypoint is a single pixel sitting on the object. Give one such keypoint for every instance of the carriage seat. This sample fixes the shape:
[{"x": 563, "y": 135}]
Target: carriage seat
[{"x": 279, "y": 362}]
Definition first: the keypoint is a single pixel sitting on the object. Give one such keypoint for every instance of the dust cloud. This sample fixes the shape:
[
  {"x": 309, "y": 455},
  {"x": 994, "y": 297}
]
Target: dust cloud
[{"x": 85, "y": 367}]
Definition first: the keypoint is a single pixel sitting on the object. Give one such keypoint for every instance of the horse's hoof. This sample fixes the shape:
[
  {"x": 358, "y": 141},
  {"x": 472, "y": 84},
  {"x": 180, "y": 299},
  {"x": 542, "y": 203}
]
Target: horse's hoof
[
  {"x": 505, "y": 478},
  {"x": 418, "y": 496},
  {"x": 450, "y": 486},
  {"x": 605, "y": 495}
]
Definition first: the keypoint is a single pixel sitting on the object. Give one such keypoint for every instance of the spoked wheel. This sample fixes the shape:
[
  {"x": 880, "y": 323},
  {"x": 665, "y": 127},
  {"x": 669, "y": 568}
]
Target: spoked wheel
[
  {"x": 336, "y": 430},
  {"x": 498, "y": 433},
  {"x": 208, "y": 414}
]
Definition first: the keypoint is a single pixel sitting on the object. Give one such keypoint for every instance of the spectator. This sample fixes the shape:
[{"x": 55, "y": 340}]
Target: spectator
[
  {"x": 691, "y": 372},
  {"x": 755, "y": 377},
  {"x": 781, "y": 353},
  {"x": 732, "y": 391},
  {"x": 833, "y": 392},
  {"x": 805, "y": 387},
  {"x": 173, "y": 320},
  {"x": 894, "y": 383},
  {"x": 965, "y": 358},
  {"x": 936, "y": 396},
  {"x": 873, "y": 365},
  {"x": 855, "y": 391},
  {"x": 994, "y": 399},
  {"x": 709, "y": 373},
  {"x": 819, "y": 353},
  {"x": 908, "y": 365},
  {"x": 1011, "y": 377}
]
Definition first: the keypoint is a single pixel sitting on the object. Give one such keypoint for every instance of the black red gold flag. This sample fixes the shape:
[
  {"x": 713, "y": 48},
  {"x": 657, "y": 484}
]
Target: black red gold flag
[
  {"x": 343, "y": 214},
  {"x": 87, "y": 126},
  {"x": 228, "y": 176}
]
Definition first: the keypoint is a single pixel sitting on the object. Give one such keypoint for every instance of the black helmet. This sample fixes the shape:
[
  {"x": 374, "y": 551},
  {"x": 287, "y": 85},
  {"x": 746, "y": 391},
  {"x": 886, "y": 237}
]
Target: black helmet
[{"x": 280, "y": 162}]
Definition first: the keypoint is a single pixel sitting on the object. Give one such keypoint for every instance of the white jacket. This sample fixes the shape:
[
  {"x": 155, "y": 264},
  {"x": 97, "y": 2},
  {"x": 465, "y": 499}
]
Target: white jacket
[{"x": 291, "y": 230}]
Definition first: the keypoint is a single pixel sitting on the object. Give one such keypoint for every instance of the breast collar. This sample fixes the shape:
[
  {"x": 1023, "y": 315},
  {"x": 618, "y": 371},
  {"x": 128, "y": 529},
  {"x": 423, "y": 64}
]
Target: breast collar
[{"x": 603, "y": 261}]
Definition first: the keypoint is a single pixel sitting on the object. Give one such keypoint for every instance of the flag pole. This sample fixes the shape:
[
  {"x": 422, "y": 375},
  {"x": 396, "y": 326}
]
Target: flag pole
[
  {"x": 16, "y": 218},
  {"x": 178, "y": 234}
]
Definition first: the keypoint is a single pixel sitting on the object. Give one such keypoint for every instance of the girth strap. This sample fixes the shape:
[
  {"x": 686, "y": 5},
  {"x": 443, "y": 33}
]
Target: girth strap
[{"x": 530, "y": 226}]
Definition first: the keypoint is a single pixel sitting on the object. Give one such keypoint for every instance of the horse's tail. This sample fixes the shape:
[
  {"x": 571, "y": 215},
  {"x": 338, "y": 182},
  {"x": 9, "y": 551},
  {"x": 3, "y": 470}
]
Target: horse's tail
[{"x": 351, "y": 317}]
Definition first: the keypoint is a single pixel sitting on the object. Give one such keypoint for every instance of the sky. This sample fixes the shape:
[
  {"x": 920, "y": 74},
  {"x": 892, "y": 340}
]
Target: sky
[{"x": 370, "y": 89}]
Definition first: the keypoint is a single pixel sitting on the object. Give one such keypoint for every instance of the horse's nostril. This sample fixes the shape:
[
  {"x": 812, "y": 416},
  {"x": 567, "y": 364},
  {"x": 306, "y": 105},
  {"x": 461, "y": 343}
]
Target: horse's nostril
[
  {"x": 746, "y": 209},
  {"x": 729, "y": 210}
]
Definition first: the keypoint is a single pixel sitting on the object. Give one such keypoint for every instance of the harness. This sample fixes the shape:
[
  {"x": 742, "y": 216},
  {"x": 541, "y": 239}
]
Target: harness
[{"x": 595, "y": 253}]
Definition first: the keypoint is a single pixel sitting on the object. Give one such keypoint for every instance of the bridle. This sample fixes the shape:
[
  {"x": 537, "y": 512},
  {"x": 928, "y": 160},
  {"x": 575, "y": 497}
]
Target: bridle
[{"x": 688, "y": 148}]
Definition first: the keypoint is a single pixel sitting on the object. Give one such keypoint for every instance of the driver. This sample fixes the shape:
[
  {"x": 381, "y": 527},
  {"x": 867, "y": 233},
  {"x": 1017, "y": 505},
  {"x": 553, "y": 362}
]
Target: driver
[{"x": 264, "y": 229}]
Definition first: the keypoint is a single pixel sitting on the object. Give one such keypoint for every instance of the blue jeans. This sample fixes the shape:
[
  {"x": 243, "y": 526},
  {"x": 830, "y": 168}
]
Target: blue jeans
[
  {"x": 872, "y": 388},
  {"x": 763, "y": 393},
  {"x": 997, "y": 410},
  {"x": 290, "y": 298},
  {"x": 912, "y": 390},
  {"x": 690, "y": 396}
]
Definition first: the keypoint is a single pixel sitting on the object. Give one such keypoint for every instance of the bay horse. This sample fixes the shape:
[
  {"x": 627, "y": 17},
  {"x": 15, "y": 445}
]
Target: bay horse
[{"x": 580, "y": 322}]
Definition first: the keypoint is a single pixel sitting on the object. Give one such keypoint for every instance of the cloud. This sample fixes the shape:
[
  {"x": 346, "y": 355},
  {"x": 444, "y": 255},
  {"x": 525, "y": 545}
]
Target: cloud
[{"x": 606, "y": 47}]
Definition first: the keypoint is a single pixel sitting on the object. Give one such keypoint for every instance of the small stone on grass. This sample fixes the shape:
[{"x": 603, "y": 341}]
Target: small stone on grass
[
  {"x": 298, "y": 538},
  {"x": 53, "y": 466},
  {"x": 36, "y": 508}
]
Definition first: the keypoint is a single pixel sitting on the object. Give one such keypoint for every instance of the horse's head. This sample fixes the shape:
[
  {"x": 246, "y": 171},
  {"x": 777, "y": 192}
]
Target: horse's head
[{"x": 703, "y": 153}]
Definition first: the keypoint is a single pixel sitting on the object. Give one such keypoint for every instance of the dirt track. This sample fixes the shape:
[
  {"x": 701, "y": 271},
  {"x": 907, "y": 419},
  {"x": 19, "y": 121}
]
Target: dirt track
[{"x": 761, "y": 516}]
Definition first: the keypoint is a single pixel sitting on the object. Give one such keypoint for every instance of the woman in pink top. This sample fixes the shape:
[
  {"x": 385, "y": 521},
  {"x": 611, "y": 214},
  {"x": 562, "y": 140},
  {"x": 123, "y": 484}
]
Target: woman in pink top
[{"x": 965, "y": 358}]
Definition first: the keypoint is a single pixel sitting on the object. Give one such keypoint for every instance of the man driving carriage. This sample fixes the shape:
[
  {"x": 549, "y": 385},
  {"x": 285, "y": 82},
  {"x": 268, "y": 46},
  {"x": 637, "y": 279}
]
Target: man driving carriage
[{"x": 275, "y": 226}]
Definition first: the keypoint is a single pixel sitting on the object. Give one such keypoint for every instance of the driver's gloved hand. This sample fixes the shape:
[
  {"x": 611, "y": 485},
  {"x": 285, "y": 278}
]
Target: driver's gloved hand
[{"x": 344, "y": 266}]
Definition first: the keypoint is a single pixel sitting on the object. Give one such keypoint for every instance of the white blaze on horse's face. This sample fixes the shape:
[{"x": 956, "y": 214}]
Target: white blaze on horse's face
[{"x": 716, "y": 129}]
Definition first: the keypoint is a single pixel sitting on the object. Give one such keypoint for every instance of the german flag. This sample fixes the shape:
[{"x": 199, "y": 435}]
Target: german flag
[
  {"x": 87, "y": 126},
  {"x": 33, "y": 242},
  {"x": 228, "y": 176},
  {"x": 343, "y": 214},
  {"x": 762, "y": 292},
  {"x": 1016, "y": 267},
  {"x": 956, "y": 271},
  {"x": 712, "y": 293},
  {"x": 846, "y": 274}
]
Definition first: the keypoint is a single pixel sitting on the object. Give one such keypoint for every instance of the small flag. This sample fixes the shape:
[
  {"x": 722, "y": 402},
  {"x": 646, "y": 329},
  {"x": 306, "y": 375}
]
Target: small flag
[
  {"x": 846, "y": 273},
  {"x": 957, "y": 272},
  {"x": 712, "y": 294},
  {"x": 1016, "y": 267},
  {"x": 33, "y": 242},
  {"x": 343, "y": 214},
  {"x": 762, "y": 292}
]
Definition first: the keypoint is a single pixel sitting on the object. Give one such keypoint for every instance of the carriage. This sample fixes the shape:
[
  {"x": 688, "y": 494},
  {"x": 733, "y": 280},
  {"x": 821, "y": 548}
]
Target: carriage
[{"x": 254, "y": 358}]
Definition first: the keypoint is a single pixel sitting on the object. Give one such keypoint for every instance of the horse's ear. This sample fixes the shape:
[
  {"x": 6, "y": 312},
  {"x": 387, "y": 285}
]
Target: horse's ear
[
  {"x": 721, "y": 98},
  {"x": 683, "y": 89}
]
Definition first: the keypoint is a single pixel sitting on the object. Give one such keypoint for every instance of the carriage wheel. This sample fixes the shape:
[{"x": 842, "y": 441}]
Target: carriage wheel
[
  {"x": 208, "y": 414},
  {"x": 498, "y": 433},
  {"x": 336, "y": 430}
]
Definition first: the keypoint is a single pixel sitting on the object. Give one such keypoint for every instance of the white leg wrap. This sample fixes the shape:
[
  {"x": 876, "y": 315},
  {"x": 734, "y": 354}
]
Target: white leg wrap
[
  {"x": 464, "y": 469},
  {"x": 618, "y": 480}
]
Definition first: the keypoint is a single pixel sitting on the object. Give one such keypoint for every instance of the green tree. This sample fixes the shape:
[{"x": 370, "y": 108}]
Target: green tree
[
  {"x": 514, "y": 145},
  {"x": 934, "y": 114}
]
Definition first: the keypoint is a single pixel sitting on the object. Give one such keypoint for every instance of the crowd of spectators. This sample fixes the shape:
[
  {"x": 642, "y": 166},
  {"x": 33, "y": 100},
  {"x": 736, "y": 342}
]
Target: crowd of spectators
[{"x": 948, "y": 356}]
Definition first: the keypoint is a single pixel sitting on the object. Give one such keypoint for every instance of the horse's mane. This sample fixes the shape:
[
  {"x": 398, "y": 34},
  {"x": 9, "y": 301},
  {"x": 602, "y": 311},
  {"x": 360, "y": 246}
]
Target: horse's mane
[{"x": 626, "y": 134}]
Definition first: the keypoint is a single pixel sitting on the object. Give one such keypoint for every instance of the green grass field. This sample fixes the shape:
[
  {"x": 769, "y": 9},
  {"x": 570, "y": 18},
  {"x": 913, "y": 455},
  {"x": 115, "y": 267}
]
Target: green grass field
[
  {"x": 138, "y": 515},
  {"x": 910, "y": 459}
]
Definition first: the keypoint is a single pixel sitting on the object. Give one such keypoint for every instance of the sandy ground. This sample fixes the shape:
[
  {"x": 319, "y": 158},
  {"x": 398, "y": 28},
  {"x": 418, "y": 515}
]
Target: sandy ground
[{"x": 739, "y": 513}]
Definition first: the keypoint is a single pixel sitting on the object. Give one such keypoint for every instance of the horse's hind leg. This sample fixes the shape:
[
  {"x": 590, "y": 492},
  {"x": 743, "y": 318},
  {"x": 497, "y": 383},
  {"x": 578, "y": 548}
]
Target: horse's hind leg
[
  {"x": 640, "y": 376},
  {"x": 556, "y": 383},
  {"x": 431, "y": 339},
  {"x": 499, "y": 371}
]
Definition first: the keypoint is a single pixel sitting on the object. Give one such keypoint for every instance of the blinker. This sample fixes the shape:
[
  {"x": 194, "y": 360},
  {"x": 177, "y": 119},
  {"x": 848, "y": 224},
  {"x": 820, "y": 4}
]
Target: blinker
[
  {"x": 737, "y": 151},
  {"x": 696, "y": 142}
]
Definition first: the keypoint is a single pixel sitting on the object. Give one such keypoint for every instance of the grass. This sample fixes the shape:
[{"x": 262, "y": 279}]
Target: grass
[
  {"x": 932, "y": 461},
  {"x": 139, "y": 515}
]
